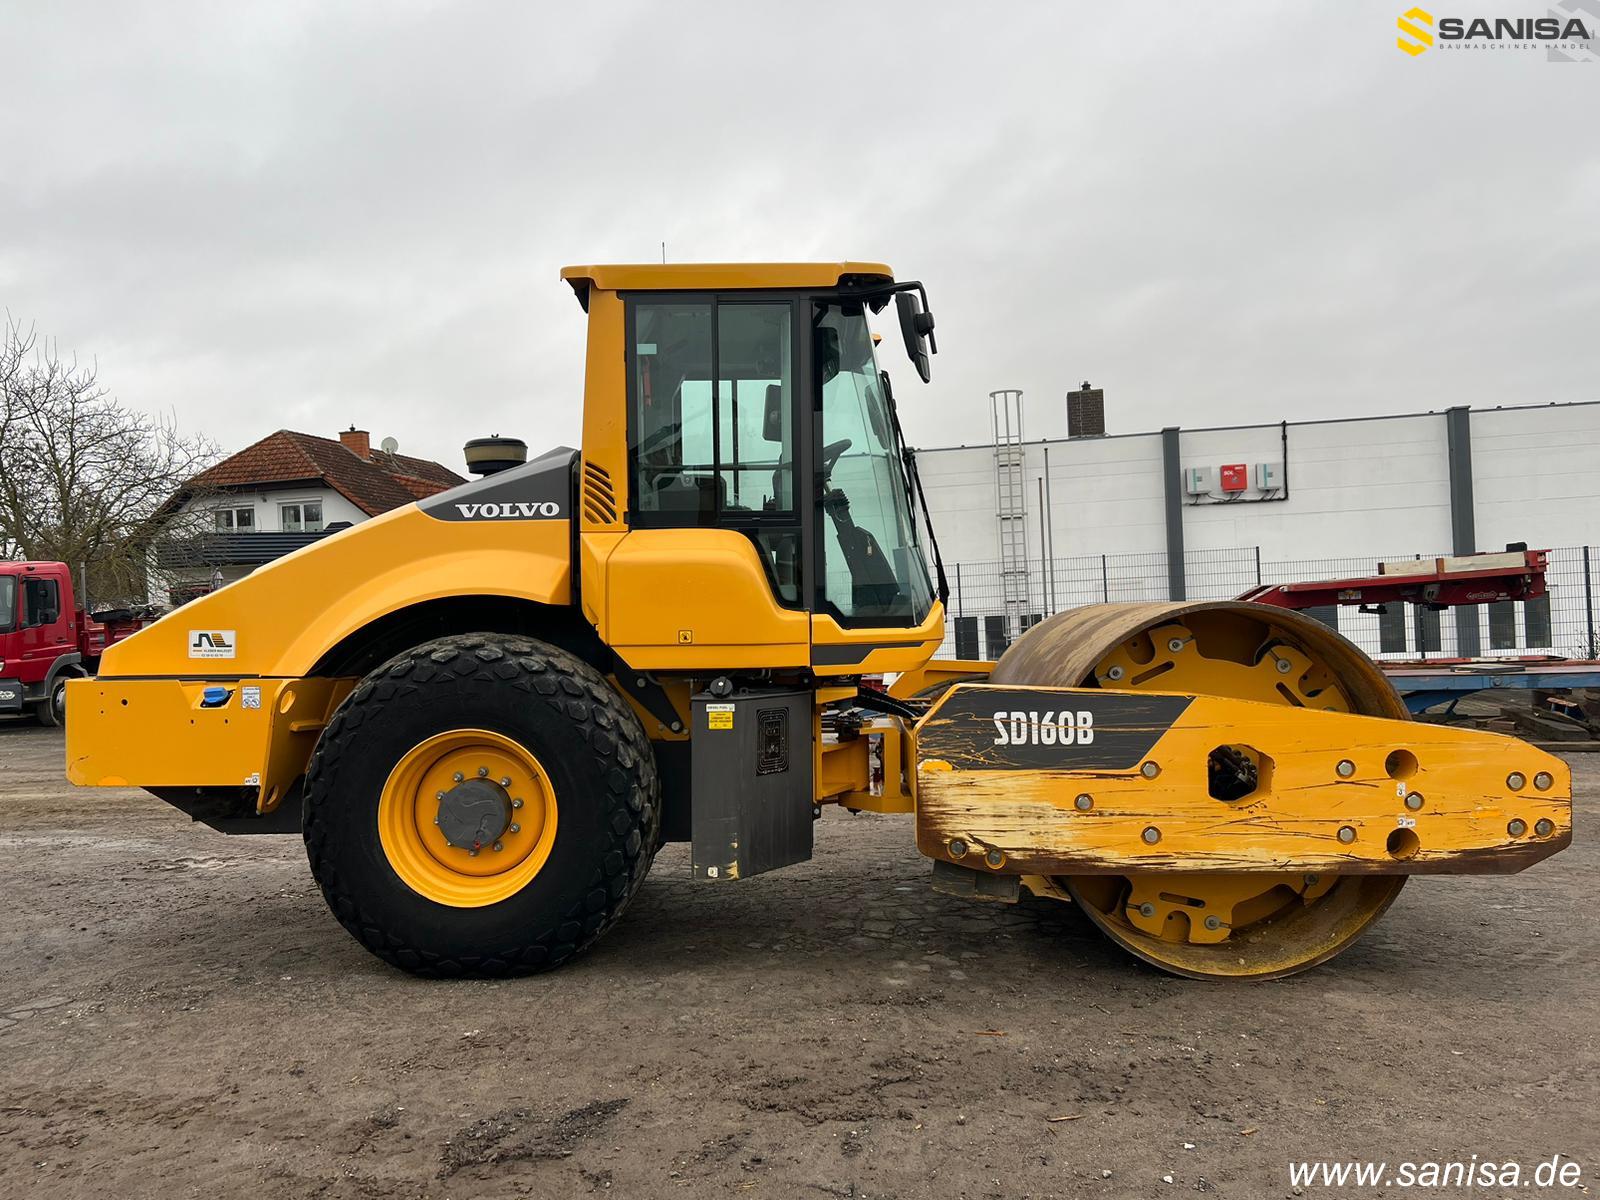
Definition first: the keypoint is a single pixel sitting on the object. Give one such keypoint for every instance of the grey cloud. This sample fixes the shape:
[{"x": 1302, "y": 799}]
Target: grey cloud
[{"x": 313, "y": 215}]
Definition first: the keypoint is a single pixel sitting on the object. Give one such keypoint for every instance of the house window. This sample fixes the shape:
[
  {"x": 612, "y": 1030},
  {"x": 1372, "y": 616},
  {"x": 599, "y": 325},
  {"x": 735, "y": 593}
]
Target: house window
[
  {"x": 236, "y": 520},
  {"x": 305, "y": 517}
]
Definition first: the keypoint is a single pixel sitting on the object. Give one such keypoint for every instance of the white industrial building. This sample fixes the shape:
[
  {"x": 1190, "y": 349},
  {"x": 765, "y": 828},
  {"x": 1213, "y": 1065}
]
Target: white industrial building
[{"x": 1032, "y": 526}]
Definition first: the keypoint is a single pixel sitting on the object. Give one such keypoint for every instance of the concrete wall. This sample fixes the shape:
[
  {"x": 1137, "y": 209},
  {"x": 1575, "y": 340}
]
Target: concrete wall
[
  {"x": 1370, "y": 488},
  {"x": 1538, "y": 469},
  {"x": 1358, "y": 491}
]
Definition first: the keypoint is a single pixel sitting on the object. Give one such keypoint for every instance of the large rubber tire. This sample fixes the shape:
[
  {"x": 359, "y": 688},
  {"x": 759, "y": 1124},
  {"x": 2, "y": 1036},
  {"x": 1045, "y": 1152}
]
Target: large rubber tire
[
  {"x": 600, "y": 768},
  {"x": 52, "y": 710}
]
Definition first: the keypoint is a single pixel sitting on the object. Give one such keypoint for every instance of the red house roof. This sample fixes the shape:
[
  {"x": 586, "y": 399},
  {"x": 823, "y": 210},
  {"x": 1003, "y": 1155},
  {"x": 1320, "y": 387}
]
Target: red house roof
[{"x": 374, "y": 483}]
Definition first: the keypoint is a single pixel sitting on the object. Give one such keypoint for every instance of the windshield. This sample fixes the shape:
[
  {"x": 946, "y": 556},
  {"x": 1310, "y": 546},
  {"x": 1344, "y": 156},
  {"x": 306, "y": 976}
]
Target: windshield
[
  {"x": 8, "y": 601},
  {"x": 873, "y": 570}
]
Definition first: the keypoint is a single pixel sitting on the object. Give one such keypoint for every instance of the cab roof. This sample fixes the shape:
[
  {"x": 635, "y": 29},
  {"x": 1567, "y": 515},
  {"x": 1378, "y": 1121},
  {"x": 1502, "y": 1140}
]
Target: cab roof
[{"x": 696, "y": 277}]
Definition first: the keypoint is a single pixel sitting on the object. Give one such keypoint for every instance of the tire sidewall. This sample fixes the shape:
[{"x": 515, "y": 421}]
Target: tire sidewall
[{"x": 583, "y": 750}]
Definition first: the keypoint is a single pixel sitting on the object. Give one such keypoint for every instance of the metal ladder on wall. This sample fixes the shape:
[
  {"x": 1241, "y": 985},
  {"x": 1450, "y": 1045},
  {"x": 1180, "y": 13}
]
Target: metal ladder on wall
[{"x": 1011, "y": 506}]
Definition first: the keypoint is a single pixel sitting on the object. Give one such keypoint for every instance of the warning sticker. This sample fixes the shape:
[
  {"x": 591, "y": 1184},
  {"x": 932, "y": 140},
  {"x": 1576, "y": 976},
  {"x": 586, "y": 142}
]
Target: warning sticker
[
  {"x": 249, "y": 696},
  {"x": 719, "y": 716}
]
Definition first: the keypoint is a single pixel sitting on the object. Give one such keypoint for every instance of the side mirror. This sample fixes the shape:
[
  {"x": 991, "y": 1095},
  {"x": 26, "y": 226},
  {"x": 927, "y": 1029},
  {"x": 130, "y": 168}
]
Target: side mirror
[
  {"x": 915, "y": 326},
  {"x": 772, "y": 414}
]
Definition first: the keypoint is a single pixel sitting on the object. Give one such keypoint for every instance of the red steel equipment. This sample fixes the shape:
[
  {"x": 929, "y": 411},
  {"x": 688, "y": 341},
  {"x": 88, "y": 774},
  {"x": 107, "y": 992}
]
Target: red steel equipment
[{"x": 46, "y": 638}]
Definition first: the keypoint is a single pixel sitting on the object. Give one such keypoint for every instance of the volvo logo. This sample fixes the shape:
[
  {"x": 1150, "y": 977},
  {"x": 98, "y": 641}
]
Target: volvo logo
[{"x": 512, "y": 510}]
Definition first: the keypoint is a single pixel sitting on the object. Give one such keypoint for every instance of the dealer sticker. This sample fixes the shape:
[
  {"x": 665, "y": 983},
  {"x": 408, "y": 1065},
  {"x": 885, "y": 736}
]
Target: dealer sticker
[
  {"x": 719, "y": 716},
  {"x": 212, "y": 643}
]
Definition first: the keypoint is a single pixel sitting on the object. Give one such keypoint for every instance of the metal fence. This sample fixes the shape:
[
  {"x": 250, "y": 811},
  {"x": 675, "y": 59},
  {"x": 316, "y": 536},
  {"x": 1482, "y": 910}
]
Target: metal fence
[{"x": 1563, "y": 623}]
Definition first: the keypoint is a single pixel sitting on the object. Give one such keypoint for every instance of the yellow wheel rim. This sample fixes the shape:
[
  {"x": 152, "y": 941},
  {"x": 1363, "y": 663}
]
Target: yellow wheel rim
[{"x": 420, "y": 853}]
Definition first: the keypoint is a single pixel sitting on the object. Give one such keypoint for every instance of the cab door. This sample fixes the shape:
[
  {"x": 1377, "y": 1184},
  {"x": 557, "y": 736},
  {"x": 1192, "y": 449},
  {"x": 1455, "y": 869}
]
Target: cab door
[
  {"x": 711, "y": 572},
  {"x": 46, "y": 629}
]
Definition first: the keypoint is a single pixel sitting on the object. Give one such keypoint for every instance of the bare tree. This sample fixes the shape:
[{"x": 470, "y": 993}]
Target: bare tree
[{"x": 83, "y": 479}]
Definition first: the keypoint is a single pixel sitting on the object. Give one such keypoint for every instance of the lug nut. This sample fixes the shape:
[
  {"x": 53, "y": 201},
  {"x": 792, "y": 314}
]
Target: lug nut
[
  {"x": 1151, "y": 835},
  {"x": 499, "y": 846},
  {"x": 473, "y": 853},
  {"x": 1147, "y": 909},
  {"x": 458, "y": 777},
  {"x": 1516, "y": 827},
  {"x": 482, "y": 771},
  {"x": 505, "y": 781},
  {"x": 1515, "y": 780},
  {"x": 438, "y": 795},
  {"x": 1347, "y": 834},
  {"x": 515, "y": 828},
  {"x": 1414, "y": 801},
  {"x": 1543, "y": 780},
  {"x": 1150, "y": 770},
  {"x": 1544, "y": 827},
  {"x": 1084, "y": 802},
  {"x": 994, "y": 858},
  {"x": 1345, "y": 769},
  {"x": 1213, "y": 923},
  {"x": 516, "y": 804},
  {"x": 957, "y": 848}
]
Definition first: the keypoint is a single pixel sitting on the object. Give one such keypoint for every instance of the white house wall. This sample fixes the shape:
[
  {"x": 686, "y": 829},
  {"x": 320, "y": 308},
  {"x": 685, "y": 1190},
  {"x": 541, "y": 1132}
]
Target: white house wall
[{"x": 268, "y": 517}]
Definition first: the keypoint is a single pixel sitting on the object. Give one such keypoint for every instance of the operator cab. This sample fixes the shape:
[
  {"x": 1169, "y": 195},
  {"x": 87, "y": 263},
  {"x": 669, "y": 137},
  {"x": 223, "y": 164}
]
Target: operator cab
[{"x": 764, "y": 412}]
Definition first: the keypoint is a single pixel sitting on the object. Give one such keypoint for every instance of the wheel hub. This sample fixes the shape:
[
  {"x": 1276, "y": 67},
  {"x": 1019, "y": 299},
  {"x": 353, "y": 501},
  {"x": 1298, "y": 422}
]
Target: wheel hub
[
  {"x": 474, "y": 813},
  {"x": 467, "y": 817}
]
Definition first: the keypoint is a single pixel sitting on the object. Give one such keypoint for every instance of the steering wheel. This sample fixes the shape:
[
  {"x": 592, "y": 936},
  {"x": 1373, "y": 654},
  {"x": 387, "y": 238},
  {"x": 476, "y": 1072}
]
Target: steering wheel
[{"x": 831, "y": 453}]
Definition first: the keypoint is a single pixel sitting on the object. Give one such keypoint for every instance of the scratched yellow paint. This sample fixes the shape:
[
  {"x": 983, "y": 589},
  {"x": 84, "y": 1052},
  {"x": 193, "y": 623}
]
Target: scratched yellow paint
[{"x": 1292, "y": 822}]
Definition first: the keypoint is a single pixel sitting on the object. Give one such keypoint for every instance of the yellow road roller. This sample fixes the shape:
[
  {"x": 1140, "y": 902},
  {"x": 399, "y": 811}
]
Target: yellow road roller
[{"x": 487, "y": 710}]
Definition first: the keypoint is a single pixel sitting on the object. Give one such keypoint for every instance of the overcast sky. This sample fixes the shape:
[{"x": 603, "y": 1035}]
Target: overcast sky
[{"x": 313, "y": 215}]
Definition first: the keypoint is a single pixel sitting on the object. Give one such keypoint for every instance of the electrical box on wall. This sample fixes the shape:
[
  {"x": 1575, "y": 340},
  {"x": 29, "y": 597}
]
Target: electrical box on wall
[
  {"x": 1198, "y": 481},
  {"x": 1235, "y": 477},
  {"x": 1269, "y": 477}
]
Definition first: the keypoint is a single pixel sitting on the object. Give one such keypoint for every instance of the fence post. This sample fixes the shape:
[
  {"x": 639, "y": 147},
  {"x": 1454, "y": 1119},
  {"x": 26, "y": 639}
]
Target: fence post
[
  {"x": 960, "y": 612},
  {"x": 1105, "y": 581},
  {"x": 1588, "y": 605},
  {"x": 1258, "y": 566}
]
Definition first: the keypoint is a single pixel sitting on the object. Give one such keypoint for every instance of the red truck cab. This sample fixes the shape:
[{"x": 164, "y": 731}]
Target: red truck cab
[{"x": 46, "y": 638}]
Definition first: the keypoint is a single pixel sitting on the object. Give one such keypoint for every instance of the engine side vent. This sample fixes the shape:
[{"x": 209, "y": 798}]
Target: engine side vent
[{"x": 599, "y": 498}]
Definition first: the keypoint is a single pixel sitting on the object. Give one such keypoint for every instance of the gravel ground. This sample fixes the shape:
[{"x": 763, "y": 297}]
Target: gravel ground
[{"x": 180, "y": 1016}]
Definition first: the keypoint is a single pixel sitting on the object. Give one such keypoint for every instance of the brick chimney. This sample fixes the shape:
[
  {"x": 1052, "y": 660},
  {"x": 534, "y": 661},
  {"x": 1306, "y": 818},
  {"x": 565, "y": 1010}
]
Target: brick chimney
[{"x": 357, "y": 441}]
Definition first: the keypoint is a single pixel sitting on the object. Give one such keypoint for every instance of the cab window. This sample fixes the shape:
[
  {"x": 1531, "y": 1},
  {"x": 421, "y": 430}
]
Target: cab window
[
  {"x": 41, "y": 602},
  {"x": 711, "y": 423}
]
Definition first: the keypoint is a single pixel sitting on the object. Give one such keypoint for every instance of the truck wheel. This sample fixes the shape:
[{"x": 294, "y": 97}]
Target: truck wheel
[
  {"x": 481, "y": 805},
  {"x": 52, "y": 712}
]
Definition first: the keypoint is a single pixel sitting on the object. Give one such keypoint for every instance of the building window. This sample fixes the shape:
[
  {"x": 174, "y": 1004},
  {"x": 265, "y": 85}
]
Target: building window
[
  {"x": 305, "y": 517},
  {"x": 236, "y": 520},
  {"x": 967, "y": 637},
  {"x": 1503, "y": 625},
  {"x": 1536, "y": 619},
  {"x": 1429, "y": 640},
  {"x": 1392, "y": 628}
]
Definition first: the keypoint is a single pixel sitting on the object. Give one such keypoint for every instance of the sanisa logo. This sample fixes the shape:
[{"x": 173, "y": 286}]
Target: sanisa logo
[{"x": 1563, "y": 34}]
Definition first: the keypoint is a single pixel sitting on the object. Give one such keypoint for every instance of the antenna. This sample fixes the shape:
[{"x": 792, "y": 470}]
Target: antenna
[
  {"x": 663, "y": 252},
  {"x": 389, "y": 445}
]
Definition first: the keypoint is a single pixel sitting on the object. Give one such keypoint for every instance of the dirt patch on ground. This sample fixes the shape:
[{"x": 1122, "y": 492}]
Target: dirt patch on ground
[{"x": 180, "y": 1016}]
